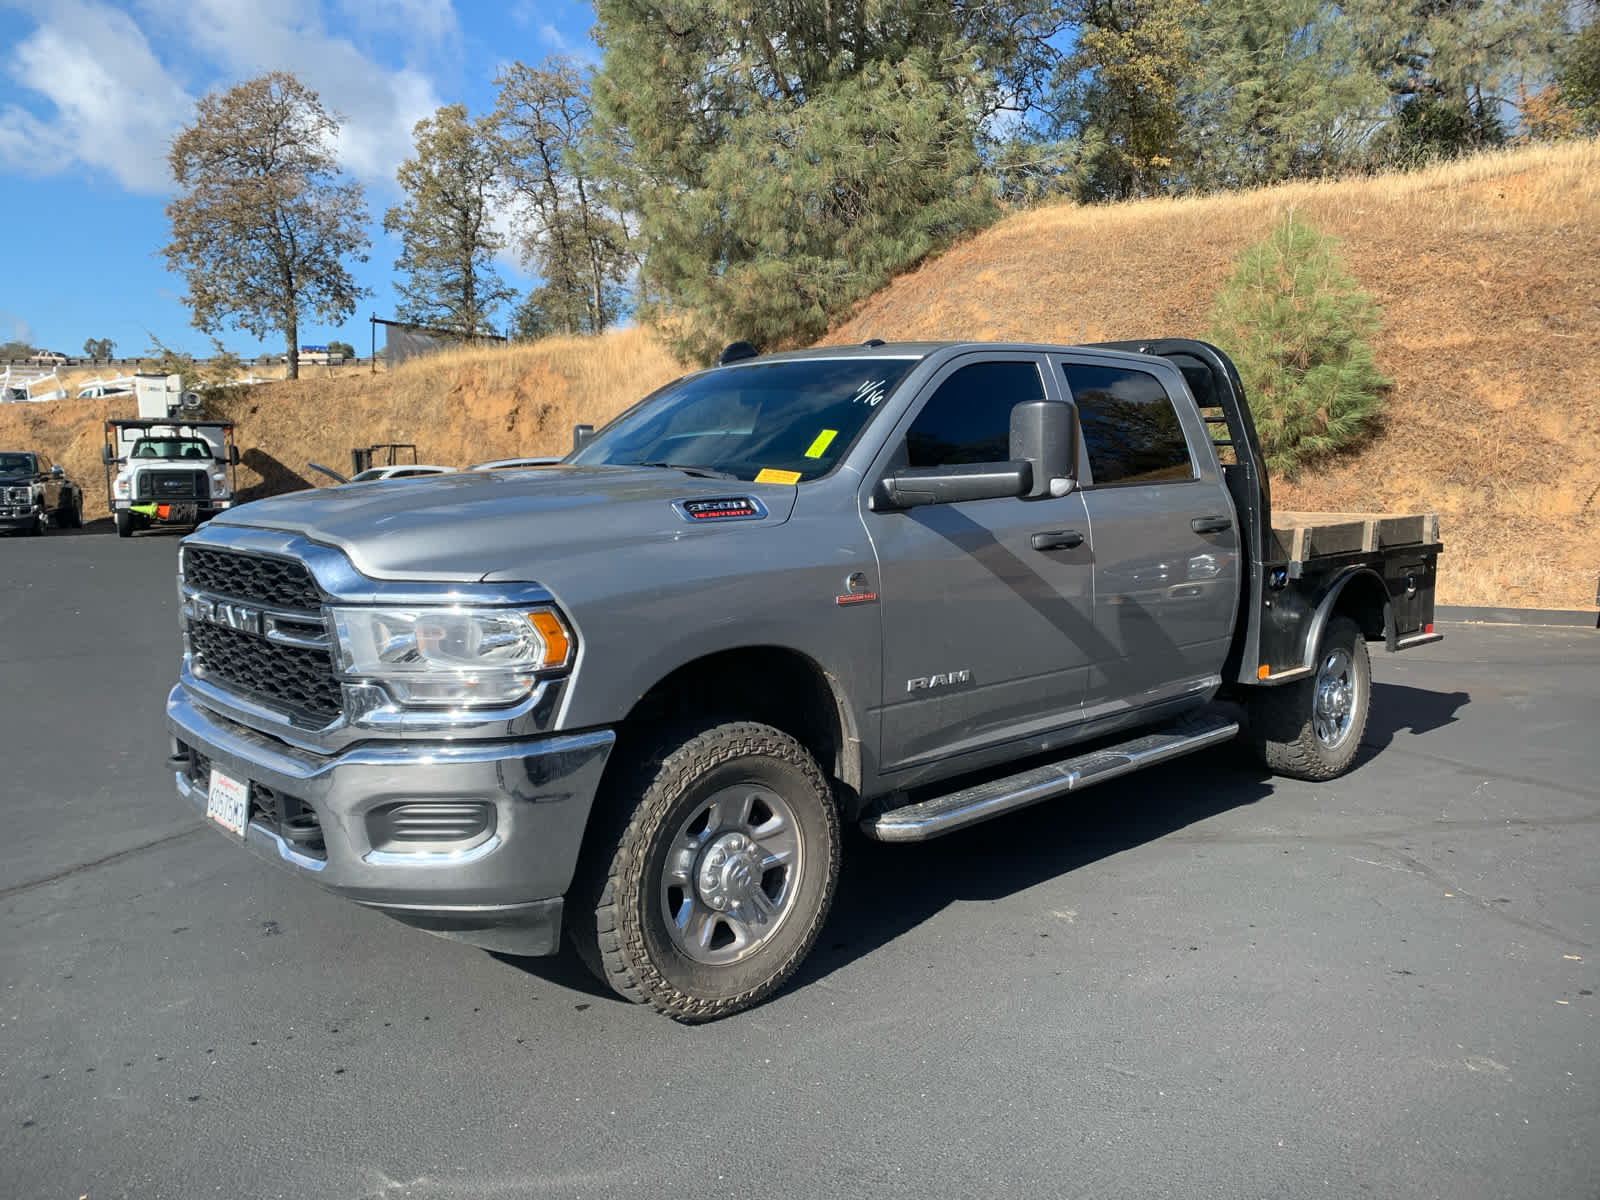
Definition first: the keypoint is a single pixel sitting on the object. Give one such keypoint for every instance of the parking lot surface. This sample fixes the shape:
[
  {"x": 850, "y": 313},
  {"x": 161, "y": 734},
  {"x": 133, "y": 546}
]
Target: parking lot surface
[{"x": 1198, "y": 981}]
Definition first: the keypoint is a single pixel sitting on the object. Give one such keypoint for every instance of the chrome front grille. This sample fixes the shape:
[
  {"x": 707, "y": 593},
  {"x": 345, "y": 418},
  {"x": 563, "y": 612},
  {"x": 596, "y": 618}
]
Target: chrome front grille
[
  {"x": 297, "y": 678},
  {"x": 255, "y": 629},
  {"x": 256, "y": 578}
]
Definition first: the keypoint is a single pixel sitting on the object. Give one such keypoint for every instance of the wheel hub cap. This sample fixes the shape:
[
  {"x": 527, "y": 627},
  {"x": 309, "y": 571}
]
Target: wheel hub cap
[
  {"x": 1335, "y": 699},
  {"x": 729, "y": 878}
]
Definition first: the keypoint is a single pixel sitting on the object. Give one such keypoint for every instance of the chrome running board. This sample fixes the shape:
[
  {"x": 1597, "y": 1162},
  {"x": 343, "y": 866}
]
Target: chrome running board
[{"x": 957, "y": 810}]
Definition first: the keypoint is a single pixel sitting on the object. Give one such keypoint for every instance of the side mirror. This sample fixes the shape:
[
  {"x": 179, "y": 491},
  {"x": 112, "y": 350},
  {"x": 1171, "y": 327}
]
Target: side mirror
[
  {"x": 58, "y": 473},
  {"x": 913, "y": 486},
  {"x": 1044, "y": 434},
  {"x": 105, "y": 454},
  {"x": 582, "y": 435},
  {"x": 233, "y": 456}
]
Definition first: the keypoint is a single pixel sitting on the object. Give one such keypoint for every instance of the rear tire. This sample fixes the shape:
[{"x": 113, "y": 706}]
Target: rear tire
[
  {"x": 716, "y": 884},
  {"x": 72, "y": 518},
  {"x": 1312, "y": 729}
]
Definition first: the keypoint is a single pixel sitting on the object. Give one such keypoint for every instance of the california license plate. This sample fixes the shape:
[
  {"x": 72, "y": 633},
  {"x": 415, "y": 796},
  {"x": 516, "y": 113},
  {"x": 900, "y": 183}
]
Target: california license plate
[{"x": 228, "y": 802}]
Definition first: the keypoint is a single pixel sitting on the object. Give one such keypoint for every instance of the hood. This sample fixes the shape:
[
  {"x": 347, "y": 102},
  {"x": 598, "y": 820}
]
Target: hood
[
  {"x": 16, "y": 480},
  {"x": 473, "y": 524}
]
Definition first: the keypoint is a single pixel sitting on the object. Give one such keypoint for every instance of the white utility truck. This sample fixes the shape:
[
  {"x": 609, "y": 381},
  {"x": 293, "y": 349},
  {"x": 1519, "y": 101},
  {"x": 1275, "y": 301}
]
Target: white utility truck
[{"x": 167, "y": 466}]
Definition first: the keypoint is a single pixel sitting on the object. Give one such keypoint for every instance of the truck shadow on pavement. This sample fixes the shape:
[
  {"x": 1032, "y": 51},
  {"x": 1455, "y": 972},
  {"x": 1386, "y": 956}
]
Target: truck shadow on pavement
[
  {"x": 1396, "y": 707},
  {"x": 885, "y": 891}
]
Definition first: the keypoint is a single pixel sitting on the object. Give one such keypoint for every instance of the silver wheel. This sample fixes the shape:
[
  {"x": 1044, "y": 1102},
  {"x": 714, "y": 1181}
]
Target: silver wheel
[
  {"x": 1334, "y": 706},
  {"x": 729, "y": 879},
  {"x": 1311, "y": 729},
  {"x": 713, "y": 873}
]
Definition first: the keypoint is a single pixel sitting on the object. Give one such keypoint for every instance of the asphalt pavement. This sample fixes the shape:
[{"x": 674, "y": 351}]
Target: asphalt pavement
[{"x": 1200, "y": 981}]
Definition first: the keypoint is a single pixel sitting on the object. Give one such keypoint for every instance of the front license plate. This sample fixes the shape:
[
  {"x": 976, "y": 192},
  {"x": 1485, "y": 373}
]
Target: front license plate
[{"x": 228, "y": 802}]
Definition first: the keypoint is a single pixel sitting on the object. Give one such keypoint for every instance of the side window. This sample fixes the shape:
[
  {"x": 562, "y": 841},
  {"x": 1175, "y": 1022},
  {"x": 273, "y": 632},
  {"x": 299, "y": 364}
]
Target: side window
[
  {"x": 968, "y": 420},
  {"x": 1129, "y": 425}
]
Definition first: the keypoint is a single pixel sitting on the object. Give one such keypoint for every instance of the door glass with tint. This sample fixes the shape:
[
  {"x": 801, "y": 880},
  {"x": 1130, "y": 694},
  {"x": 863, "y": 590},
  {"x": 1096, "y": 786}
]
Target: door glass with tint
[
  {"x": 968, "y": 420},
  {"x": 1129, "y": 425}
]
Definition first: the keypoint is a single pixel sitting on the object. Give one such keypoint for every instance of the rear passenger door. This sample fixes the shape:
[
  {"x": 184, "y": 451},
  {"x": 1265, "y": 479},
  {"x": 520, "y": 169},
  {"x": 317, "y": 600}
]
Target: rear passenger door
[{"x": 1166, "y": 540}]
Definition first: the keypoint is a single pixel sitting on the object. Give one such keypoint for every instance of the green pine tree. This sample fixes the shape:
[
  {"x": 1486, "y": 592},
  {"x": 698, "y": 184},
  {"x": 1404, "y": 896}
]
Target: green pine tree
[
  {"x": 1300, "y": 332},
  {"x": 785, "y": 161}
]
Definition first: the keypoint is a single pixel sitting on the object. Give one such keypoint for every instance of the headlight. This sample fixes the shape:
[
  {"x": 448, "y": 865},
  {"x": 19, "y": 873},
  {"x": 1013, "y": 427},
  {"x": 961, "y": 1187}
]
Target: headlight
[
  {"x": 451, "y": 656},
  {"x": 122, "y": 486}
]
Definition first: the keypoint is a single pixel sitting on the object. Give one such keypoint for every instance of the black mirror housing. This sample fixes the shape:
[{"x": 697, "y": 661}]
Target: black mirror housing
[
  {"x": 914, "y": 486},
  {"x": 105, "y": 454},
  {"x": 581, "y": 436},
  {"x": 1044, "y": 434},
  {"x": 233, "y": 456}
]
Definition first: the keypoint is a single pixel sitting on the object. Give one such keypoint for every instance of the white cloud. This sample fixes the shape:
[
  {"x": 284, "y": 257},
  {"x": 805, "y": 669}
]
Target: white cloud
[
  {"x": 115, "y": 107},
  {"x": 115, "y": 92},
  {"x": 379, "y": 104}
]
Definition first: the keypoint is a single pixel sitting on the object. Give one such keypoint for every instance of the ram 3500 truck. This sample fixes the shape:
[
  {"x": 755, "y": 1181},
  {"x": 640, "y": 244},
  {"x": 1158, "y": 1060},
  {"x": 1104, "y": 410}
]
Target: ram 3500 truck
[{"x": 635, "y": 696}]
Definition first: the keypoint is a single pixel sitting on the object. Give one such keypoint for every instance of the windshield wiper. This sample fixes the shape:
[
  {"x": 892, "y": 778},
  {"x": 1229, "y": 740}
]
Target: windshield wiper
[{"x": 700, "y": 472}]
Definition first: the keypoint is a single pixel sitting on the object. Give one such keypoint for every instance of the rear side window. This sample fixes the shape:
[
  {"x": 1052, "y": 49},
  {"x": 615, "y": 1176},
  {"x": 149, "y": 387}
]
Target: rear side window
[
  {"x": 1129, "y": 425},
  {"x": 968, "y": 420}
]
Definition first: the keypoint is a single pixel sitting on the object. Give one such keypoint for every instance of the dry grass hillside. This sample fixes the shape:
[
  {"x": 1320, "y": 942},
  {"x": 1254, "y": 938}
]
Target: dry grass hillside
[
  {"x": 1488, "y": 271},
  {"x": 1489, "y": 275},
  {"x": 456, "y": 408}
]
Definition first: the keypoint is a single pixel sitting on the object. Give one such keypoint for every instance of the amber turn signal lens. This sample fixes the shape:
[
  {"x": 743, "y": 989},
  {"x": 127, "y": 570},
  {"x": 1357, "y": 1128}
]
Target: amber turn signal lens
[
  {"x": 1263, "y": 671},
  {"x": 557, "y": 642}
]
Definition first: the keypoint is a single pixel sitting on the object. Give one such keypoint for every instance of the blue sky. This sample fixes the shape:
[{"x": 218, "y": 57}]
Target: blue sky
[{"x": 93, "y": 93}]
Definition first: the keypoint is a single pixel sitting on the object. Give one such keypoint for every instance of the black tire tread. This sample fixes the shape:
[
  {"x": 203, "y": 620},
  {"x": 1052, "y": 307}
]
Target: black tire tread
[
  {"x": 1280, "y": 718},
  {"x": 616, "y": 951}
]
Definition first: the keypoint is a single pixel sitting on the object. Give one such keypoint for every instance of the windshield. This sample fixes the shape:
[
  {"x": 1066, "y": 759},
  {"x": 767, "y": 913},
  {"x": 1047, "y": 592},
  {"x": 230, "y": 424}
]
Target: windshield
[
  {"x": 170, "y": 448},
  {"x": 16, "y": 464},
  {"x": 772, "y": 422}
]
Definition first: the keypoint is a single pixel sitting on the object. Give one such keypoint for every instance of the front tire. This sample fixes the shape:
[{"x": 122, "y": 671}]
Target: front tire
[
  {"x": 715, "y": 888},
  {"x": 124, "y": 523},
  {"x": 1312, "y": 729}
]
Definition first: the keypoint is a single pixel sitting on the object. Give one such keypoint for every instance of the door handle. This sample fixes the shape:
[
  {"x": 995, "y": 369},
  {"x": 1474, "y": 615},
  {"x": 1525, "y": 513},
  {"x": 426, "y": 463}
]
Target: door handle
[
  {"x": 1212, "y": 524},
  {"x": 1057, "y": 539}
]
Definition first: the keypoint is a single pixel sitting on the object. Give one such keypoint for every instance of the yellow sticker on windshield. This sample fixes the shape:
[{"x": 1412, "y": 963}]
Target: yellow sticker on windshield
[
  {"x": 824, "y": 440},
  {"x": 768, "y": 475}
]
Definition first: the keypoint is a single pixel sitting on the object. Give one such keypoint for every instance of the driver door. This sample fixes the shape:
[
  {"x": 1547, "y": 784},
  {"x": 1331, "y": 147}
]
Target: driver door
[{"x": 987, "y": 605}]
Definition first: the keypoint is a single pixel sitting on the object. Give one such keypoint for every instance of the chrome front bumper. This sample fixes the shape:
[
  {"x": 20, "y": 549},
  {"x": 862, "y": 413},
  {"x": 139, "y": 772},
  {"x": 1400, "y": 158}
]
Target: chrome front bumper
[{"x": 500, "y": 889}]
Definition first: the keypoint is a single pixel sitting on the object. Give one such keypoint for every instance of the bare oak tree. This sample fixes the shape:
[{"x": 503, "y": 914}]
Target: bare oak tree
[
  {"x": 264, "y": 224},
  {"x": 573, "y": 231}
]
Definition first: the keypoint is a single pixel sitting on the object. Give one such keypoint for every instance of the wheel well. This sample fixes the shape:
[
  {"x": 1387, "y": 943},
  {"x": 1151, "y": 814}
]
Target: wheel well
[
  {"x": 1365, "y": 600},
  {"x": 770, "y": 684}
]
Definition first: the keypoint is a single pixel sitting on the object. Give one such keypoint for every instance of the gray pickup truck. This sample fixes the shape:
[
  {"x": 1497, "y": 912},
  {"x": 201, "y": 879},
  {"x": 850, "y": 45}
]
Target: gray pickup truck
[{"x": 636, "y": 695}]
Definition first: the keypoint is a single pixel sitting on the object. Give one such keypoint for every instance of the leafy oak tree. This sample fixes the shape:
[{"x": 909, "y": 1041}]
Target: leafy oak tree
[
  {"x": 1120, "y": 89},
  {"x": 446, "y": 224},
  {"x": 264, "y": 223}
]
